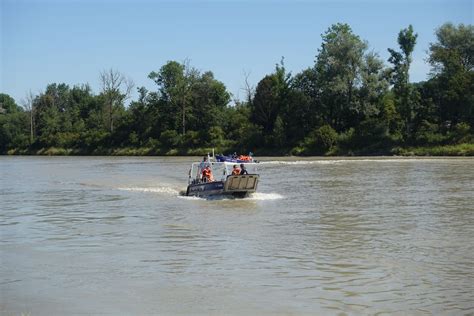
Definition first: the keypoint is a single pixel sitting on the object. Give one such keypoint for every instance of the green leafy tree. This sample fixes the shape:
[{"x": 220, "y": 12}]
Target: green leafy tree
[
  {"x": 338, "y": 65},
  {"x": 208, "y": 100},
  {"x": 401, "y": 61},
  {"x": 50, "y": 106},
  {"x": 140, "y": 117},
  {"x": 265, "y": 105},
  {"x": 452, "y": 61},
  {"x": 271, "y": 99},
  {"x": 175, "y": 82},
  {"x": 306, "y": 111},
  {"x": 243, "y": 135},
  {"x": 14, "y": 124},
  {"x": 8, "y": 104},
  {"x": 374, "y": 86}
]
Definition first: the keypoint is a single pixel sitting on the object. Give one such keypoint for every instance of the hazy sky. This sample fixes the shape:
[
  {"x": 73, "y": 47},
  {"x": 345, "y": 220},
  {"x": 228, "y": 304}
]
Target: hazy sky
[{"x": 47, "y": 41}]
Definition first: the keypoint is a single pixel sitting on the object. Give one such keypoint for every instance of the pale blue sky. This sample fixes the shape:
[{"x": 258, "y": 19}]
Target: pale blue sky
[{"x": 46, "y": 41}]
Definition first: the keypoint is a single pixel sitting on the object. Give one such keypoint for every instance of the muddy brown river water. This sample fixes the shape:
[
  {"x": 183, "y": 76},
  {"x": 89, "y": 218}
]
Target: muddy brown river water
[{"x": 102, "y": 235}]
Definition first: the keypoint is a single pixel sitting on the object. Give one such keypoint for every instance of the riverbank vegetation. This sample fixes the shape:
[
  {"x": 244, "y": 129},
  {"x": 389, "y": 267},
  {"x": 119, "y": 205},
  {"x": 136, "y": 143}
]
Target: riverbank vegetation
[{"x": 349, "y": 102}]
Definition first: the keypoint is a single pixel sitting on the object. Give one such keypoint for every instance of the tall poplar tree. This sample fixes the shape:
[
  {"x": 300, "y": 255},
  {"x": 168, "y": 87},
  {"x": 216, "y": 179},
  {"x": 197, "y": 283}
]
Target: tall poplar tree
[{"x": 400, "y": 79}]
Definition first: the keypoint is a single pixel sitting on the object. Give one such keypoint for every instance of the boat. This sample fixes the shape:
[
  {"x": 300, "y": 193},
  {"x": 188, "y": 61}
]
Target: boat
[
  {"x": 223, "y": 182},
  {"x": 236, "y": 158}
]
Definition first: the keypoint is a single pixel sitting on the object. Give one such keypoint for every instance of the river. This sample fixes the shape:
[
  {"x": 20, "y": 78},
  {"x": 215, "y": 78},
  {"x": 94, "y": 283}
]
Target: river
[{"x": 113, "y": 235}]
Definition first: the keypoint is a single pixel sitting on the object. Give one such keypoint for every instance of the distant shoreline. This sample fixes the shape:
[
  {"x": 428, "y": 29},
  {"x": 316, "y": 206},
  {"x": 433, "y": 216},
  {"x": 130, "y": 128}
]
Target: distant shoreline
[{"x": 460, "y": 150}]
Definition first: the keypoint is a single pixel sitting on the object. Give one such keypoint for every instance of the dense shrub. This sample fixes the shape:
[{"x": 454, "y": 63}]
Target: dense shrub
[
  {"x": 93, "y": 139},
  {"x": 14, "y": 131},
  {"x": 133, "y": 139},
  {"x": 170, "y": 139},
  {"x": 319, "y": 141},
  {"x": 428, "y": 133},
  {"x": 461, "y": 133},
  {"x": 215, "y": 137},
  {"x": 371, "y": 133},
  {"x": 192, "y": 139}
]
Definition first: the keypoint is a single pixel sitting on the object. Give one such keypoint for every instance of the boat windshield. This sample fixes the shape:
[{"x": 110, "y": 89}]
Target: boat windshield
[{"x": 220, "y": 170}]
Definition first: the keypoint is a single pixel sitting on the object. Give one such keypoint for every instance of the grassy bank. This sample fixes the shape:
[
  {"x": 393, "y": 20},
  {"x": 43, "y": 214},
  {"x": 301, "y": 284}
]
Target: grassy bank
[
  {"x": 466, "y": 149},
  {"x": 122, "y": 151},
  {"x": 446, "y": 150}
]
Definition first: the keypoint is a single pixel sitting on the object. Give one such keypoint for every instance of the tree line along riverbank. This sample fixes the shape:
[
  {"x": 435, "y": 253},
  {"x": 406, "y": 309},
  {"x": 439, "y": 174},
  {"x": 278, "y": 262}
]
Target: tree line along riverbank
[{"x": 349, "y": 102}]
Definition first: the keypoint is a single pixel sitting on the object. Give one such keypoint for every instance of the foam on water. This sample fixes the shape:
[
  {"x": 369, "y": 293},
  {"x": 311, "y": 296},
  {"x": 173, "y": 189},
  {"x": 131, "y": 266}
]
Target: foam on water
[
  {"x": 169, "y": 190},
  {"x": 186, "y": 197},
  {"x": 356, "y": 160},
  {"x": 264, "y": 196},
  {"x": 302, "y": 162},
  {"x": 160, "y": 189},
  {"x": 257, "y": 196},
  {"x": 218, "y": 197},
  {"x": 254, "y": 197}
]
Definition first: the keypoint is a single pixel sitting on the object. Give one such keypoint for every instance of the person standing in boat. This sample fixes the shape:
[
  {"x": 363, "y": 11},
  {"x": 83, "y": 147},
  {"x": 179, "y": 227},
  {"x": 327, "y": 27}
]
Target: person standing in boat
[
  {"x": 242, "y": 169},
  {"x": 235, "y": 170},
  {"x": 207, "y": 174},
  {"x": 204, "y": 163}
]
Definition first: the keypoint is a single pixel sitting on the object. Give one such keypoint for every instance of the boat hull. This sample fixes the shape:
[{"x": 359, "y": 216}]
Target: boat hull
[{"x": 206, "y": 188}]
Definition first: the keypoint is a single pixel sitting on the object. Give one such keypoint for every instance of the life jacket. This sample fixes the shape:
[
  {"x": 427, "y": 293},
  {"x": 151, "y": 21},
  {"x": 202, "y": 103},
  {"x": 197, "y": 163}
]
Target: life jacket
[
  {"x": 244, "y": 158},
  {"x": 207, "y": 174},
  {"x": 236, "y": 171}
]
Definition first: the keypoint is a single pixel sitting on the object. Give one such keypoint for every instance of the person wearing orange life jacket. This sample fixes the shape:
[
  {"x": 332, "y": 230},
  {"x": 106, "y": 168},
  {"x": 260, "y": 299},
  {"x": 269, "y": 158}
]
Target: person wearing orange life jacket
[
  {"x": 235, "y": 170},
  {"x": 207, "y": 175},
  {"x": 244, "y": 158}
]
